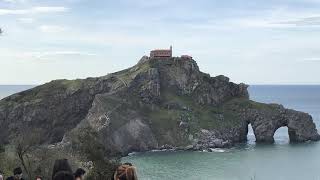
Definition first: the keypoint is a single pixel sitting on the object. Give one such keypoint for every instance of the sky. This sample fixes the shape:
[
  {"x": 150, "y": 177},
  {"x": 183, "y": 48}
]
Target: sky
[{"x": 250, "y": 41}]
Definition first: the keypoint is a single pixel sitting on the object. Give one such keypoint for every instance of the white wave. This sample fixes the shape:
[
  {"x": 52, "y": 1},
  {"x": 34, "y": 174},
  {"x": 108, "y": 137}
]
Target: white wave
[
  {"x": 219, "y": 150},
  {"x": 132, "y": 153}
]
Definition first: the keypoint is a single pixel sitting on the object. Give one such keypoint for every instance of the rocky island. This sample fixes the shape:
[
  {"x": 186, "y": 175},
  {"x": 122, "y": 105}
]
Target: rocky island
[{"x": 158, "y": 103}]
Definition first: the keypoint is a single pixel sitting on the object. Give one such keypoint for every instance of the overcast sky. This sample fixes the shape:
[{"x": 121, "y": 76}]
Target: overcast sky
[{"x": 250, "y": 41}]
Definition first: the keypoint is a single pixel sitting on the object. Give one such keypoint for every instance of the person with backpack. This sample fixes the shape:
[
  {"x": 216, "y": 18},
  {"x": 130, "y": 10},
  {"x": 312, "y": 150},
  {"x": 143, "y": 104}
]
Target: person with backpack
[
  {"x": 79, "y": 174},
  {"x": 125, "y": 171},
  {"x": 62, "y": 170}
]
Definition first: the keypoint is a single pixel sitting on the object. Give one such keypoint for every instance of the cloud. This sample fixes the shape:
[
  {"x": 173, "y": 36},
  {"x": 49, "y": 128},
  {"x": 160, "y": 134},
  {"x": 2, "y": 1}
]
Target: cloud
[
  {"x": 42, "y": 55},
  {"x": 52, "y": 54},
  {"x": 151, "y": 4},
  {"x": 34, "y": 10},
  {"x": 313, "y": 59},
  {"x": 277, "y": 18},
  {"x": 26, "y": 20},
  {"x": 259, "y": 23},
  {"x": 14, "y": 1},
  {"x": 49, "y": 9},
  {"x": 308, "y": 21},
  {"x": 51, "y": 28},
  {"x": 147, "y": 4},
  {"x": 272, "y": 23}
]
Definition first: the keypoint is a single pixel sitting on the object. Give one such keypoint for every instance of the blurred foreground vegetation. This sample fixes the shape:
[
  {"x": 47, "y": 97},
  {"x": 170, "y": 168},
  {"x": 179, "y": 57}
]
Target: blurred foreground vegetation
[{"x": 35, "y": 159}]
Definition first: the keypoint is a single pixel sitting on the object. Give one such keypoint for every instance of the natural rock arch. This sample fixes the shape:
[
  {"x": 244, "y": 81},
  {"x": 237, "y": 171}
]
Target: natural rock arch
[
  {"x": 265, "y": 123},
  {"x": 267, "y": 136},
  {"x": 281, "y": 136}
]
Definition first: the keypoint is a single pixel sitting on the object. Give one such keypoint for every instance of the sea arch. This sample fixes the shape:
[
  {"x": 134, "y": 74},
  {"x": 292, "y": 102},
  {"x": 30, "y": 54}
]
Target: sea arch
[{"x": 300, "y": 125}]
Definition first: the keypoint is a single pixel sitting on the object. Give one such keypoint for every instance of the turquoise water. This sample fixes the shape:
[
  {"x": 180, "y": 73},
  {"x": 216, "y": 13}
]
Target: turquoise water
[{"x": 280, "y": 161}]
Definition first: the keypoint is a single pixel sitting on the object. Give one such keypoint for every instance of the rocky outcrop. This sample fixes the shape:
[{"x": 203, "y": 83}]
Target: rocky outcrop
[
  {"x": 134, "y": 136},
  {"x": 265, "y": 120},
  {"x": 147, "y": 86},
  {"x": 157, "y": 104},
  {"x": 210, "y": 139},
  {"x": 300, "y": 125}
]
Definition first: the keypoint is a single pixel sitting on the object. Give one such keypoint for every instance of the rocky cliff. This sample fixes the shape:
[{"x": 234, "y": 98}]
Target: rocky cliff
[{"x": 158, "y": 103}]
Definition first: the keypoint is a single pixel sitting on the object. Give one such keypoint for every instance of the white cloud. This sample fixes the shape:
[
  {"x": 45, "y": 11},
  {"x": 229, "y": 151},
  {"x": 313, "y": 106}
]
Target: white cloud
[
  {"x": 313, "y": 59},
  {"x": 306, "y": 21},
  {"x": 275, "y": 18},
  {"x": 49, "y": 9},
  {"x": 14, "y": 12},
  {"x": 151, "y": 4},
  {"x": 34, "y": 10},
  {"x": 261, "y": 23},
  {"x": 51, "y": 28},
  {"x": 52, "y": 54},
  {"x": 14, "y": 1},
  {"x": 26, "y": 20},
  {"x": 16, "y": 54}
]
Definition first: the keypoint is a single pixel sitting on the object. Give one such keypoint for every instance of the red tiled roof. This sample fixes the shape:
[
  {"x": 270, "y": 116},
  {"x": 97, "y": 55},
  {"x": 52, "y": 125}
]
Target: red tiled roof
[{"x": 160, "y": 50}]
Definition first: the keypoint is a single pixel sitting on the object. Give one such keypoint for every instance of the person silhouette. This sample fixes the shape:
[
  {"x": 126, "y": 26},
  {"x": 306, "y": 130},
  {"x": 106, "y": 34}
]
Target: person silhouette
[
  {"x": 125, "y": 171},
  {"x": 17, "y": 174}
]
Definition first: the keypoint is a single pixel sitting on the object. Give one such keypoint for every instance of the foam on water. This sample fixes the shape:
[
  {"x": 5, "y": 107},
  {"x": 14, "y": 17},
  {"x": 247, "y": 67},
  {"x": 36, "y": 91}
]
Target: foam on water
[{"x": 218, "y": 150}]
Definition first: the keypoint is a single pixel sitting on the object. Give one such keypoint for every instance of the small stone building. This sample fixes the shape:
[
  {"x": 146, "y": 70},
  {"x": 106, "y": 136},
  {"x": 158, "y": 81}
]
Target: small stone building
[{"x": 161, "y": 53}]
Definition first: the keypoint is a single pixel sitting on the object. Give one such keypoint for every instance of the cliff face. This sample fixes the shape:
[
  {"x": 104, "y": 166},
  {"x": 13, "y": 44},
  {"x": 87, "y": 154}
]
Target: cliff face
[{"x": 159, "y": 103}]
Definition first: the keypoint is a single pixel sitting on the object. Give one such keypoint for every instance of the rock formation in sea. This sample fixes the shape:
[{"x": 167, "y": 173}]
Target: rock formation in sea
[{"x": 156, "y": 104}]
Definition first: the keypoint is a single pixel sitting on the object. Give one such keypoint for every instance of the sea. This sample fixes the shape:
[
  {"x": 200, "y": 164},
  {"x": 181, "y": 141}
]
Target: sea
[{"x": 248, "y": 161}]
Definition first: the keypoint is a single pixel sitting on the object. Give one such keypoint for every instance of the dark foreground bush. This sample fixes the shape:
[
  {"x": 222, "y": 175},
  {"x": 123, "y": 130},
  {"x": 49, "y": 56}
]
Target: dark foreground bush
[{"x": 35, "y": 159}]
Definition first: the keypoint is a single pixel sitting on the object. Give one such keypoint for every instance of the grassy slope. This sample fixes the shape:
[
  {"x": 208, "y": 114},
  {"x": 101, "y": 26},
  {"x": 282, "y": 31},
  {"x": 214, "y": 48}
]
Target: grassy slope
[{"x": 46, "y": 90}]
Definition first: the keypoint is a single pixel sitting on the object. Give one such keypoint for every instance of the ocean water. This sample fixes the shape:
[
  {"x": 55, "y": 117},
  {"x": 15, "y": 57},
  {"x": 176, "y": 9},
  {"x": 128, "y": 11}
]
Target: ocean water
[
  {"x": 279, "y": 161},
  {"x": 6, "y": 90}
]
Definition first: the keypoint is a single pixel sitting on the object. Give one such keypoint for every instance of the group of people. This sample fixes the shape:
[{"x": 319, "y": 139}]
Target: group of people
[
  {"x": 62, "y": 171},
  {"x": 17, "y": 175}
]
